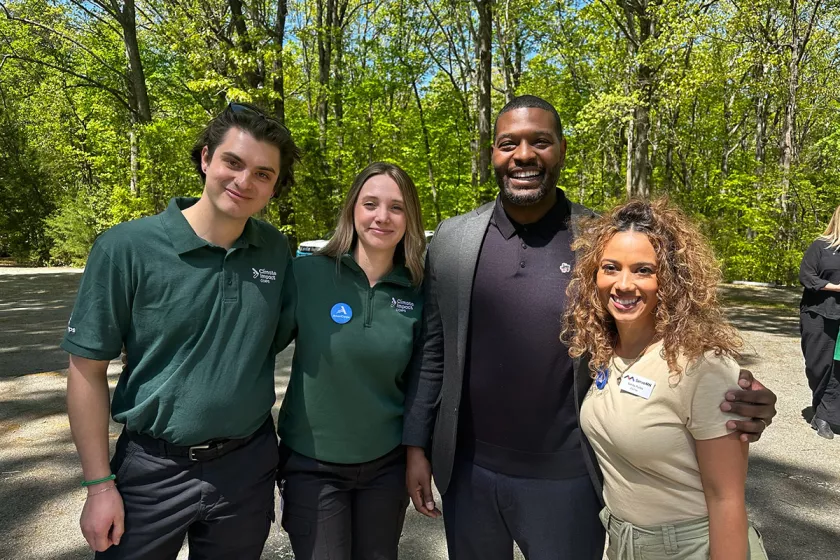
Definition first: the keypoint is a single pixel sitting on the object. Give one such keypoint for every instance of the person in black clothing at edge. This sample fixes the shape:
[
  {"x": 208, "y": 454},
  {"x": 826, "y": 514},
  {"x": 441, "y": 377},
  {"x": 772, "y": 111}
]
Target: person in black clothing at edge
[
  {"x": 819, "y": 321},
  {"x": 495, "y": 397}
]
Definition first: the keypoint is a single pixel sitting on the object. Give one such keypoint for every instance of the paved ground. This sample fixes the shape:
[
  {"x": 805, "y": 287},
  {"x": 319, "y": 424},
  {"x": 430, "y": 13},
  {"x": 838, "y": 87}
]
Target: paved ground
[{"x": 793, "y": 490}]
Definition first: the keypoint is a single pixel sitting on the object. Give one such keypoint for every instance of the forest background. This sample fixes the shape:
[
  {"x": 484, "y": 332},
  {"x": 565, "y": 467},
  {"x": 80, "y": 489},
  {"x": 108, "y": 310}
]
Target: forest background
[{"x": 730, "y": 107}]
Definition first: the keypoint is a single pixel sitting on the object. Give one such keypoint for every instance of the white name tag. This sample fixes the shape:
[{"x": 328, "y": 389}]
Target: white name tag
[{"x": 637, "y": 385}]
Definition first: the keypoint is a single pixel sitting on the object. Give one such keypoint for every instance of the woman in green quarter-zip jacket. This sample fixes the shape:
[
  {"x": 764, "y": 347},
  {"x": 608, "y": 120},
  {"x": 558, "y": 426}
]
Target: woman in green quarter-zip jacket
[{"x": 357, "y": 317}]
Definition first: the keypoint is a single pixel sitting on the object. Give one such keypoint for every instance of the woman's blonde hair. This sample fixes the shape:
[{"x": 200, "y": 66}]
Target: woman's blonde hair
[
  {"x": 688, "y": 316},
  {"x": 411, "y": 248},
  {"x": 831, "y": 235}
]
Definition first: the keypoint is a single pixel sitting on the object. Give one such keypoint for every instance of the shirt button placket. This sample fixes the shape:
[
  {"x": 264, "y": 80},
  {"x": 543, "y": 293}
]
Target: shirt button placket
[{"x": 228, "y": 276}]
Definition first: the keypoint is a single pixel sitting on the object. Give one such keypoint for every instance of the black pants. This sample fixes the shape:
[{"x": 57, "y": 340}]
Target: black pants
[
  {"x": 344, "y": 512},
  {"x": 819, "y": 336},
  {"x": 223, "y": 506},
  {"x": 485, "y": 512}
]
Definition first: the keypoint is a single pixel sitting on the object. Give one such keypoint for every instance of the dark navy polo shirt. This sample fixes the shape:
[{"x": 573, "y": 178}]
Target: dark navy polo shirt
[{"x": 518, "y": 413}]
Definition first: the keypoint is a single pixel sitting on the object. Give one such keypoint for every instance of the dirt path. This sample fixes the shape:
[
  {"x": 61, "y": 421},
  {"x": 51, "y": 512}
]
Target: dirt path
[{"x": 793, "y": 490}]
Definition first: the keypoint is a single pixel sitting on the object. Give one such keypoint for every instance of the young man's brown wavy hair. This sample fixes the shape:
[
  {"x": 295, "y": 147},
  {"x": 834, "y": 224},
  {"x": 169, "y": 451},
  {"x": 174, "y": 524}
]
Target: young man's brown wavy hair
[{"x": 689, "y": 319}]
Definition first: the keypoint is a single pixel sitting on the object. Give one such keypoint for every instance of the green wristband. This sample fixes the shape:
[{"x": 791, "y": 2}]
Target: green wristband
[{"x": 87, "y": 483}]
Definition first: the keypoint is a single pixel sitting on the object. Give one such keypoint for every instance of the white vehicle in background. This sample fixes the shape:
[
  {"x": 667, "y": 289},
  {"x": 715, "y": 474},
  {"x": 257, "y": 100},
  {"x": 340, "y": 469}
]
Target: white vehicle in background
[{"x": 307, "y": 248}]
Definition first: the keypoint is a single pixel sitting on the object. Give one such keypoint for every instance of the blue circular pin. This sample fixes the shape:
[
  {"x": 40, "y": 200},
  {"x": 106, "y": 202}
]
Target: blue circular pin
[
  {"x": 341, "y": 313},
  {"x": 601, "y": 378}
]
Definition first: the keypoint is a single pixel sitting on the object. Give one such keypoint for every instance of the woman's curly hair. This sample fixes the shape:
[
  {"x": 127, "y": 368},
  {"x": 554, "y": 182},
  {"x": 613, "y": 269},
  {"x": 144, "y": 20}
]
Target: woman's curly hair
[{"x": 688, "y": 316}]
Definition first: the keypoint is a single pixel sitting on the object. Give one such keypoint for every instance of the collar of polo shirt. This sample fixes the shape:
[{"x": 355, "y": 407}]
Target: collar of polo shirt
[{"x": 184, "y": 239}]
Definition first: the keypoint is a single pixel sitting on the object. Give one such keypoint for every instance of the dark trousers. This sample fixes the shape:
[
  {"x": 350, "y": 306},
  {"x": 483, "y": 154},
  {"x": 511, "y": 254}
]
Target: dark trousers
[
  {"x": 819, "y": 335},
  {"x": 343, "y": 512},
  {"x": 486, "y": 512},
  {"x": 224, "y": 506}
]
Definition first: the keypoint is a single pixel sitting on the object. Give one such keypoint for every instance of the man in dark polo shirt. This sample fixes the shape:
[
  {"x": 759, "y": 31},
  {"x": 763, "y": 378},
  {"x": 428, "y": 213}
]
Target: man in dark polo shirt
[
  {"x": 495, "y": 395},
  {"x": 194, "y": 296}
]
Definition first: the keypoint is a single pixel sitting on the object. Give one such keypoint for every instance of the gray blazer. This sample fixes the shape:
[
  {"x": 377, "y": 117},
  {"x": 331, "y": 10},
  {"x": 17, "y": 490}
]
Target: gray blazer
[{"x": 436, "y": 376}]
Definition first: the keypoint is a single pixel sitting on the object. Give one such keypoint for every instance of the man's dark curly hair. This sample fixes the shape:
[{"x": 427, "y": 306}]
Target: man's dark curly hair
[{"x": 262, "y": 127}]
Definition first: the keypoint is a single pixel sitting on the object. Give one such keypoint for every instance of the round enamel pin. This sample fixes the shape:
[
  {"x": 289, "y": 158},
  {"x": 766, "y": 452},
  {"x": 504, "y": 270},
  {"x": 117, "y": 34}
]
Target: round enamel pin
[
  {"x": 601, "y": 378},
  {"x": 341, "y": 313}
]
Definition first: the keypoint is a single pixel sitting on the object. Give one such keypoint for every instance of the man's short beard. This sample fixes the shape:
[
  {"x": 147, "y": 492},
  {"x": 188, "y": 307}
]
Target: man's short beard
[{"x": 524, "y": 197}]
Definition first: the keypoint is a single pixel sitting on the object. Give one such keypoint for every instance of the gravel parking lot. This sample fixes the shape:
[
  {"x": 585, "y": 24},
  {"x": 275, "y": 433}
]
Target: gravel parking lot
[{"x": 793, "y": 490}]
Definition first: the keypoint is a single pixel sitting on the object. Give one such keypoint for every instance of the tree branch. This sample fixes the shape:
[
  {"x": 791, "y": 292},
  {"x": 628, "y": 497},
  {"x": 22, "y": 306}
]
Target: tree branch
[
  {"x": 620, "y": 25},
  {"x": 63, "y": 36},
  {"x": 118, "y": 95}
]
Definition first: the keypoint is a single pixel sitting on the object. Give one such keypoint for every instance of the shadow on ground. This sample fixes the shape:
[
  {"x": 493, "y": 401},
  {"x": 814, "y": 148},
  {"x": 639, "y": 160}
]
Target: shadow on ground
[
  {"x": 781, "y": 499},
  {"x": 34, "y": 310},
  {"x": 767, "y": 310}
]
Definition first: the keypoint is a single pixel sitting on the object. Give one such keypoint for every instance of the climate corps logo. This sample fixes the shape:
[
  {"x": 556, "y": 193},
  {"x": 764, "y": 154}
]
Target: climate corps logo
[{"x": 265, "y": 276}]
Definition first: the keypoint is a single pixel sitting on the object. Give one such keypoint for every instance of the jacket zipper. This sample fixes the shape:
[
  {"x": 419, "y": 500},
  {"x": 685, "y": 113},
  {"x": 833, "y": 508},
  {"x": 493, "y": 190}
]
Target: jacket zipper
[{"x": 369, "y": 307}]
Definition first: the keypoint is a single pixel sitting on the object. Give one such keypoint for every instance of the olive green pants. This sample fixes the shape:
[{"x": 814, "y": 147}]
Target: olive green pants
[{"x": 686, "y": 540}]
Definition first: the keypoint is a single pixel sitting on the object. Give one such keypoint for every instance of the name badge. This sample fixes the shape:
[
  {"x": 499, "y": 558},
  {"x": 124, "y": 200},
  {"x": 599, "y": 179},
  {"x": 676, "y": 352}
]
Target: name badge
[{"x": 637, "y": 385}]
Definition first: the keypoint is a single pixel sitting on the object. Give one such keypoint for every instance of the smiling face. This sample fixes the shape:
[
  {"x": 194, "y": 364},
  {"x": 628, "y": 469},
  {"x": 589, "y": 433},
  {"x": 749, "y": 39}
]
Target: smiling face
[
  {"x": 527, "y": 155},
  {"x": 627, "y": 282},
  {"x": 240, "y": 174},
  {"x": 379, "y": 214}
]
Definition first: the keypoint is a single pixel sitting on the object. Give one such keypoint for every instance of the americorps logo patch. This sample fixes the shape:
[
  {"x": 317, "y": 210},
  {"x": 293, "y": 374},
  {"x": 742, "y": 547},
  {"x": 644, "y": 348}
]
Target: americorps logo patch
[
  {"x": 402, "y": 305},
  {"x": 341, "y": 313}
]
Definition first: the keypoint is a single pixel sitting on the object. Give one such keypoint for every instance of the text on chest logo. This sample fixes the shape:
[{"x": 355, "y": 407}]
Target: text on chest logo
[
  {"x": 401, "y": 305},
  {"x": 265, "y": 276}
]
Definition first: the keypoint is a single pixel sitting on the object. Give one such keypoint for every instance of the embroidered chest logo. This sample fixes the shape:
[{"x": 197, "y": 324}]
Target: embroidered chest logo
[
  {"x": 565, "y": 268},
  {"x": 265, "y": 276},
  {"x": 401, "y": 305}
]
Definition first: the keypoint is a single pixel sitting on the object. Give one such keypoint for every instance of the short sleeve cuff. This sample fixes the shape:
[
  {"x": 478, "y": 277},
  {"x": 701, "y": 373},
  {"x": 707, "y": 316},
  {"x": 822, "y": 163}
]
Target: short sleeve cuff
[
  {"x": 90, "y": 354},
  {"x": 715, "y": 431}
]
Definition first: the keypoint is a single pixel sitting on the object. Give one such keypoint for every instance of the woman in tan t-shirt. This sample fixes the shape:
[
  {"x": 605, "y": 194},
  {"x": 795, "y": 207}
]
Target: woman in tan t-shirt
[{"x": 643, "y": 312}]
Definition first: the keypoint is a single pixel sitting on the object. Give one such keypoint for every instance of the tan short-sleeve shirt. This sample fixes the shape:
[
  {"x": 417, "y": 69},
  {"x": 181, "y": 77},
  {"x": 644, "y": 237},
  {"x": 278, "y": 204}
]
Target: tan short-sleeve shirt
[{"x": 645, "y": 447}]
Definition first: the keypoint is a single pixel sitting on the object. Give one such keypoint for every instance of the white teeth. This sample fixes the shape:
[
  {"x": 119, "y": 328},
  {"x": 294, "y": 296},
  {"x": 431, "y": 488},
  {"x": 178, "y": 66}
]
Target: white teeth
[
  {"x": 525, "y": 174},
  {"x": 627, "y": 301}
]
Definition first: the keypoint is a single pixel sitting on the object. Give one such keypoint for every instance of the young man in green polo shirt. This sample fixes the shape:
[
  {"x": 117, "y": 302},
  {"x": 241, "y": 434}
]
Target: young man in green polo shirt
[{"x": 194, "y": 296}]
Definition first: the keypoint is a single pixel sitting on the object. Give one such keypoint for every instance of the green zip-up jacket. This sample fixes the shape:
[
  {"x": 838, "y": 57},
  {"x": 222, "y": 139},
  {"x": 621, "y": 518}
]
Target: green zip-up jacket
[{"x": 353, "y": 343}]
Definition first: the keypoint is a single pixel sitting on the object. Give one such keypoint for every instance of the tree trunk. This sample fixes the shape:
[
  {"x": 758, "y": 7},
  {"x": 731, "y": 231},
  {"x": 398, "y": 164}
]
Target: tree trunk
[
  {"x": 138, "y": 94},
  {"x": 506, "y": 38},
  {"x": 761, "y": 104},
  {"x": 788, "y": 151},
  {"x": 640, "y": 185},
  {"x": 324, "y": 20},
  {"x": 485, "y": 68},
  {"x": 728, "y": 100},
  {"x": 428, "y": 149},
  {"x": 253, "y": 76},
  {"x": 134, "y": 155},
  {"x": 338, "y": 98},
  {"x": 279, "y": 79},
  {"x": 628, "y": 187}
]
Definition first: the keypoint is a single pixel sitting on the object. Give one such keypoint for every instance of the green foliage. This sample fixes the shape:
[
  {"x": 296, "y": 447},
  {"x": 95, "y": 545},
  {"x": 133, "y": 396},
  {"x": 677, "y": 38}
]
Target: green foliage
[{"x": 398, "y": 81}]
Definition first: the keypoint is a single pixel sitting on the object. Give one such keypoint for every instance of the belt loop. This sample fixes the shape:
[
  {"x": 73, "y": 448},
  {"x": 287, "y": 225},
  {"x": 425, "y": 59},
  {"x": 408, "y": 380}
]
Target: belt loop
[{"x": 669, "y": 538}]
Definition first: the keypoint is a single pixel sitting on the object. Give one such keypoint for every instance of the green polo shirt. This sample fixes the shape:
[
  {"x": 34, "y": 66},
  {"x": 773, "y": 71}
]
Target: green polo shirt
[
  {"x": 198, "y": 323},
  {"x": 353, "y": 344}
]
